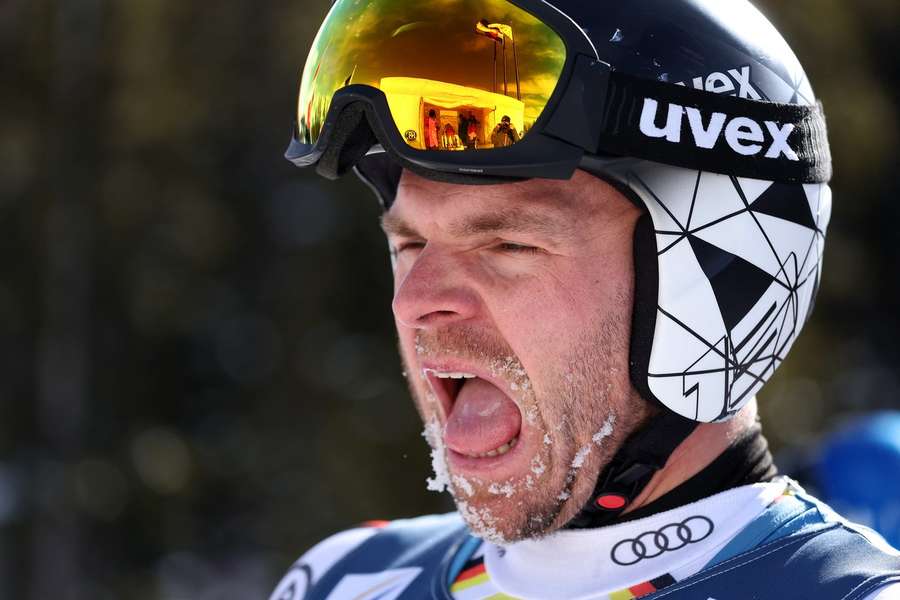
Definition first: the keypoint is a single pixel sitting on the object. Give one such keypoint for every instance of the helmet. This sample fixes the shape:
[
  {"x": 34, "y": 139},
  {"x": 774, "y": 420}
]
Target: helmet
[
  {"x": 851, "y": 467},
  {"x": 696, "y": 110}
]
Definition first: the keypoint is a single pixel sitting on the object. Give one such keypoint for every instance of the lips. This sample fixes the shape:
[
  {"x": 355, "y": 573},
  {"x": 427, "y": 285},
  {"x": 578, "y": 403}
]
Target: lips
[{"x": 481, "y": 420}]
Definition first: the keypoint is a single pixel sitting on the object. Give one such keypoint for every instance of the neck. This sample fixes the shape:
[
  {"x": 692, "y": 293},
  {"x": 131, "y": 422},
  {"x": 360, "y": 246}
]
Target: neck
[{"x": 706, "y": 443}]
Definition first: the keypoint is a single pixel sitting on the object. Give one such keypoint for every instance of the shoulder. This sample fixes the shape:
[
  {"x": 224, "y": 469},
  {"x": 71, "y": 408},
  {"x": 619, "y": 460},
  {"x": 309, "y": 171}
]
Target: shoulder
[
  {"x": 824, "y": 514},
  {"x": 889, "y": 592},
  {"x": 393, "y": 536},
  {"x": 810, "y": 514},
  {"x": 321, "y": 557}
]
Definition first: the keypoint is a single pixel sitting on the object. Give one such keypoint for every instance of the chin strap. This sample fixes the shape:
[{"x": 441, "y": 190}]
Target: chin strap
[{"x": 630, "y": 470}]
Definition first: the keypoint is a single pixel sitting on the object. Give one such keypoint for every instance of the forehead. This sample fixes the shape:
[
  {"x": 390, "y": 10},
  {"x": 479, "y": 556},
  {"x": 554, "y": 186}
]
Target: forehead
[{"x": 534, "y": 204}]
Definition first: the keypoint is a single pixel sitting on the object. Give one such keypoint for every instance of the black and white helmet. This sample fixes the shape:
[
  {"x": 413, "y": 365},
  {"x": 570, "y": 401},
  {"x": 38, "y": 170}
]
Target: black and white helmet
[
  {"x": 737, "y": 257},
  {"x": 738, "y": 260}
]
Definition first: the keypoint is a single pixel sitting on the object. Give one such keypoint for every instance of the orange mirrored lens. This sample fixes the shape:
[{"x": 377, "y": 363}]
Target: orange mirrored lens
[{"x": 458, "y": 74}]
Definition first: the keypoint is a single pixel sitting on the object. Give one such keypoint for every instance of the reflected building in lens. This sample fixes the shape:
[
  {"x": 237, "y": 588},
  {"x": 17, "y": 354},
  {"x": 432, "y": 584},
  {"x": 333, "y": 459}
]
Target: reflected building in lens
[
  {"x": 412, "y": 101},
  {"x": 469, "y": 61}
]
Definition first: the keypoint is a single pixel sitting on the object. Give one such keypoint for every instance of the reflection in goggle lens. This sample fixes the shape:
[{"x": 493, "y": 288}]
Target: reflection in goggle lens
[{"x": 458, "y": 74}]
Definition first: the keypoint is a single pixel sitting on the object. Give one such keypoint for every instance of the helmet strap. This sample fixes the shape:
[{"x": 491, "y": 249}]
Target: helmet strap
[
  {"x": 630, "y": 470},
  {"x": 646, "y": 451}
]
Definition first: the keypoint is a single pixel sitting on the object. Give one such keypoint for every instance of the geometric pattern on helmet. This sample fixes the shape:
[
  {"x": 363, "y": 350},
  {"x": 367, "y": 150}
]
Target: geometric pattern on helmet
[{"x": 739, "y": 266}]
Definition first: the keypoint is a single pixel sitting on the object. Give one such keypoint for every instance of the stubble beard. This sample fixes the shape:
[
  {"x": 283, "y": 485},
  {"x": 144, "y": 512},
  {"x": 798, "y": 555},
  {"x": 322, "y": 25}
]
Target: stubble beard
[{"x": 579, "y": 413}]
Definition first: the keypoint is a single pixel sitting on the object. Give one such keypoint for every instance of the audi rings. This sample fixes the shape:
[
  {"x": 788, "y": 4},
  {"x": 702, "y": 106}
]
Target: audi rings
[
  {"x": 651, "y": 544},
  {"x": 296, "y": 584}
]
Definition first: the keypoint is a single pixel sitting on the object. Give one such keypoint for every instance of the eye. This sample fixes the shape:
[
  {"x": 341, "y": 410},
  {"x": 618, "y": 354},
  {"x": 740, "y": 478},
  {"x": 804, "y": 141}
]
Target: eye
[
  {"x": 513, "y": 248},
  {"x": 410, "y": 245}
]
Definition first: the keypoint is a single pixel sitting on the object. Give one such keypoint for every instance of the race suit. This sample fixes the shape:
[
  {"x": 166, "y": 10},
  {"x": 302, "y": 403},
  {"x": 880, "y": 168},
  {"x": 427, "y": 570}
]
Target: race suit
[{"x": 761, "y": 541}]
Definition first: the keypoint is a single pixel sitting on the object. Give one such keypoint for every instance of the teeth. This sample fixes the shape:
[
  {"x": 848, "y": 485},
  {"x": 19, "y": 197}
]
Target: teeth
[
  {"x": 449, "y": 375},
  {"x": 498, "y": 451}
]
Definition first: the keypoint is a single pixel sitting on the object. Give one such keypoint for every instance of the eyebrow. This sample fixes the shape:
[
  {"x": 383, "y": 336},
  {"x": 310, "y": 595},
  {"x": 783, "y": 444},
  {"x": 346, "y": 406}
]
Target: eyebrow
[
  {"x": 395, "y": 226},
  {"x": 512, "y": 220}
]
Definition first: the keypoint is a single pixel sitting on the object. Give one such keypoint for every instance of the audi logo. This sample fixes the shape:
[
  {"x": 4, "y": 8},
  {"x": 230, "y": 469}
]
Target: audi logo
[
  {"x": 296, "y": 585},
  {"x": 651, "y": 544}
]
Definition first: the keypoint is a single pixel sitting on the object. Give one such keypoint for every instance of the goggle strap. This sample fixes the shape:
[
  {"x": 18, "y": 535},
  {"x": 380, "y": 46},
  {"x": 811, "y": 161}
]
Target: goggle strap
[
  {"x": 579, "y": 116},
  {"x": 696, "y": 129},
  {"x": 352, "y": 139}
]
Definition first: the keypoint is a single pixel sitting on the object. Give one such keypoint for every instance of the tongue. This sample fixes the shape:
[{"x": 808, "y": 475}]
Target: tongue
[{"x": 482, "y": 419}]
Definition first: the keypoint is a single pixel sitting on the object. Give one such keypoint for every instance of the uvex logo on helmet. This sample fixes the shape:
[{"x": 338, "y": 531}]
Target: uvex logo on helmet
[
  {"x": 743, "y": 135},
  {"x": 734, "y": 82}
]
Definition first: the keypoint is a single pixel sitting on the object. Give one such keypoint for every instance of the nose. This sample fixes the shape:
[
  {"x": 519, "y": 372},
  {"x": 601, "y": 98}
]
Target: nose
[{"x": 434, "y": 292}]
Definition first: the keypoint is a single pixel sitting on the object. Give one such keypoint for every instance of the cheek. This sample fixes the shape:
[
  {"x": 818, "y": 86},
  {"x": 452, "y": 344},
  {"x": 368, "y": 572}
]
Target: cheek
[
  {"x": 557, "y": 306},
  {"x": 417, "y": 385},
  {"x": 545, "y": 320},
  {"x": 407, "y": 341}
]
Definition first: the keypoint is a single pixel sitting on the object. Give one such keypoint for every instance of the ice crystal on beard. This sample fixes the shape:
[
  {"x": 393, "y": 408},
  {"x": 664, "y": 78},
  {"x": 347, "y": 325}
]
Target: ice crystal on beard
[
  {"x": 507, "y": 489},
  {"x": 441, "y": 480},
  {"x": 463, "y": 484},
  {"x": 605, "y": 431},
  {"x": 580, "y": 457},
  {"x": 597, "y": 438},
  {"x": 537, "y": 466},
  {"x": 510, "y": 368},
  {"x": 481, "y": 522}
]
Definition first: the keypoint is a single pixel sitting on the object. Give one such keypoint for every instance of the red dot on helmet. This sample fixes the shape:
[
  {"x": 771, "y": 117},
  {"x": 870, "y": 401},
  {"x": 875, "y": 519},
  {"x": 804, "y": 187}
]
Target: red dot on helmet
[{"x": 612, "y": 501}]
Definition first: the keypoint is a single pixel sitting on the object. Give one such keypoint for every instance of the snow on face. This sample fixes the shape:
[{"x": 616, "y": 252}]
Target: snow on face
[
  {"x": 480, "y": 520},
  {"x": 527, "y": 506},
  {"x": 596, "y": 439},
  {"x": 435, "y": 436}
]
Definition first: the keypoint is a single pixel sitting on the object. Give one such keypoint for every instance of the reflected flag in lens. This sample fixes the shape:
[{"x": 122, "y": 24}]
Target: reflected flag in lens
[
  {"x": 484, "y": 28},
  {"x": 500, "y": 30}
]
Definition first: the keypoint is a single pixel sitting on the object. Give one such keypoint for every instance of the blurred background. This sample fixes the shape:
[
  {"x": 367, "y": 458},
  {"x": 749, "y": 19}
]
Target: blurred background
[{"x": 198, "y": 377}]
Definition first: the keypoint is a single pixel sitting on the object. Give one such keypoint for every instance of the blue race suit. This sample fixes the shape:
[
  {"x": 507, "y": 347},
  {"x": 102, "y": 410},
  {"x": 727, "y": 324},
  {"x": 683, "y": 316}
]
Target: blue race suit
[{"x": 761, "y": 541}]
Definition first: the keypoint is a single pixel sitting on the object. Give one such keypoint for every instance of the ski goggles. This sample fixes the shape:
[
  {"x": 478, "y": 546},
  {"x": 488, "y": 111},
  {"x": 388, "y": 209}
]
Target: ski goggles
[{"x": 511, "y": 89}]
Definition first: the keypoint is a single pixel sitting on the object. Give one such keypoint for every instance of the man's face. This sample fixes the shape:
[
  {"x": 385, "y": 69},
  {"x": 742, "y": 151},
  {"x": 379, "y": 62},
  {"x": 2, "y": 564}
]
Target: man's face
[{"x": 513, "y": 308}]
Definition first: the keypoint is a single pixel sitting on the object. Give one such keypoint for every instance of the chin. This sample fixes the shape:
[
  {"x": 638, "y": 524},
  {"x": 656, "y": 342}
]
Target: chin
[{"x": 504, "y": 515}]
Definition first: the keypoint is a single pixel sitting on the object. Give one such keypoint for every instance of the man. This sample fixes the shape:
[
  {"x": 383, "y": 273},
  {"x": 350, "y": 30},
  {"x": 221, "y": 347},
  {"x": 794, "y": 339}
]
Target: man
[
  {"x": 471, "y": 132},
  {"x": 584, "y": 318},
  {"x": 505, "y": 133}
]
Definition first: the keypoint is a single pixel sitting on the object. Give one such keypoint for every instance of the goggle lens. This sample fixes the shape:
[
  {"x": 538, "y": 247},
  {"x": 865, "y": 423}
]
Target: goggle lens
[{"x": 458, "y": 74}]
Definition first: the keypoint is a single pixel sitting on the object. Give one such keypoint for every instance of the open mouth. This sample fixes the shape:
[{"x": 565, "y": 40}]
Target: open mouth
[
  {"x": 481, "y": 420},
  {"x": 446, "y": 386},
  {"x": 498, "y": 451}
]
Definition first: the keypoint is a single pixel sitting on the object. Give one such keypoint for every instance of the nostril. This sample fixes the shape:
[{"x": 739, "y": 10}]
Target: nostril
[{"x": 437, "y": 317}]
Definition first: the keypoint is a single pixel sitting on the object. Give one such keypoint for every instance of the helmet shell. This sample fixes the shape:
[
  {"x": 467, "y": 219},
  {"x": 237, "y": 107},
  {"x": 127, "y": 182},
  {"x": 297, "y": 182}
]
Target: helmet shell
[
  {"x": 727, "y": 268},
  {"x": 738, "y": 260},
  {"x": 722, "y": 46}
]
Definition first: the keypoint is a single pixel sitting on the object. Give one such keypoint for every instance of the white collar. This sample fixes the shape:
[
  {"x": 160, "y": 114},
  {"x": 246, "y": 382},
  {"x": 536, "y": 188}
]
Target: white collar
[{"x": 592, "y": 563}]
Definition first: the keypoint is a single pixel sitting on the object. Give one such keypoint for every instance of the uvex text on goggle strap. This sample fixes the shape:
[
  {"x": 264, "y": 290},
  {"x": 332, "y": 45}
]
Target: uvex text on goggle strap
[{"x": 507, "y": 88}]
